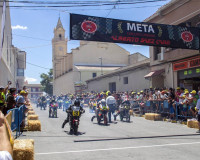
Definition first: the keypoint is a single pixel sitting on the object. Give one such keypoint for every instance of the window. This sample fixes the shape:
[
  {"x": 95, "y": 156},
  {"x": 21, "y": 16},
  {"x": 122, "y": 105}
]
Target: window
[
  {"x": 157, "y": 50},
  {"x": 60, "y": 36},
  {"x": 125, "y": 80},
  {"x": 94, "y": 75},
  {"x": 20, "y": 72}
]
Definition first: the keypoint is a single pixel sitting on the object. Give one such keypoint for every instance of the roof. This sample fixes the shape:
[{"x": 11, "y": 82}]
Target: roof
[
  {"x": 59, "y": 24},
  {"x": 137, "y": 65},
  {"x": 97, "y": 68},
  {"x": 160, "y": 9},
  {"x": 154, "y": 73}
]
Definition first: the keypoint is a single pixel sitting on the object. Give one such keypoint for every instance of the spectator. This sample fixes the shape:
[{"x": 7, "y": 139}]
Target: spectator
[
  {"x": 10, "y": 101},
  {"x": 198, "y": 108},
  {"x": 193, "y": 101},
  {"x": 5, "y": 146},
  {"x": 20, "y": 99},
  {"x": 171, "y": 99},
  {"x": 3, "y": 92}
]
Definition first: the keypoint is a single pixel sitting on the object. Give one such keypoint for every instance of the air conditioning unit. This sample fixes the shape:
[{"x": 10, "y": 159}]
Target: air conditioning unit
[{"x": 161, "y": 54}]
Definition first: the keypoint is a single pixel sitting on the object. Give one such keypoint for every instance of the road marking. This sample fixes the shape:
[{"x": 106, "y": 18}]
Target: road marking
[{"x": 122, "y": 148}]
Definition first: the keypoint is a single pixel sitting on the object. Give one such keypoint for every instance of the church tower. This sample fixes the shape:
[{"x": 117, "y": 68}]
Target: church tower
[{"x": 59, "y": 50}]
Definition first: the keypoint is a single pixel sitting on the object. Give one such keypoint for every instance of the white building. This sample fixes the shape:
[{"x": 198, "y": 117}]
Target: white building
[{"x": 12, "y": 60}]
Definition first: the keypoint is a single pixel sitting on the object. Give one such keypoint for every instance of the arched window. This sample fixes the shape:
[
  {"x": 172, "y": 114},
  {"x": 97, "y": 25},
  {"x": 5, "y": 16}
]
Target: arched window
[{"x": 60, "y": 36}]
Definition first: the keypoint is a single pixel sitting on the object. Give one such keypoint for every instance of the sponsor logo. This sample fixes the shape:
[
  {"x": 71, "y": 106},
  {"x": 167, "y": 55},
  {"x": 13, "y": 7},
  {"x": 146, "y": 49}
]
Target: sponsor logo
[
  {"x": 187, "y": 36},
  {"x": 89, "y": 26},
  {"x": 140, "y": 27}
]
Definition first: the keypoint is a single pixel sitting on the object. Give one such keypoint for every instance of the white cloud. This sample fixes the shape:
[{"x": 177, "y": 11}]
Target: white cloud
[
  {"x": 30, "y": 79},
  {"x": 20, "y": 27}
]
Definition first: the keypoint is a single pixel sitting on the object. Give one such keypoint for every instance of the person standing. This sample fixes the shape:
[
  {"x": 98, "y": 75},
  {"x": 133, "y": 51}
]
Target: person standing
[
  {"x": 198, "y": 108},
  {"x": 111, "y": 102},
  {"x": 10, "y": 101},
  {"x": 3, "y": 92}
]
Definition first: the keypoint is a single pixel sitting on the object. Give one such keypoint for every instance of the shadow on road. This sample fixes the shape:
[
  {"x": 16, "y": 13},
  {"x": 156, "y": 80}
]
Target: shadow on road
[
  {"x": 78, "y": 134},
  {"x": 125, "y": 138},
  {"x": 101, "y": 124}
]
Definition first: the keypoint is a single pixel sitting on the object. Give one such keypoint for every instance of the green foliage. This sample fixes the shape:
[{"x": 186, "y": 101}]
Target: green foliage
[{"x": 47, "y": 82}]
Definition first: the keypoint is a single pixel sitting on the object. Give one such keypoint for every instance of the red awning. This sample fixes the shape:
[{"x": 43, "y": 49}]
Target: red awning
[{"x": 154, "y": 73}]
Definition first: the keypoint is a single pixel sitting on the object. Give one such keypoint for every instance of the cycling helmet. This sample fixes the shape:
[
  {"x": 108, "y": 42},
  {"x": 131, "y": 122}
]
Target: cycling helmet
[{"x": 77, "y": 102}]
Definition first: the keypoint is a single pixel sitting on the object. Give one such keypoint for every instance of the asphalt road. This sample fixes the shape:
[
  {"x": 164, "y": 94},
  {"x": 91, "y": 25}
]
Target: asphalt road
[{"x": 140, "y": 140}]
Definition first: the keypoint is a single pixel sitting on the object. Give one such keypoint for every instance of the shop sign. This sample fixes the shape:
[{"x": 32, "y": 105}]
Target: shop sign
[
  {"x": 190, "y": 63},
  {"x": 194, "y": 63},
  {"x": 180, "y": 66},
  {"x": 90, "y": 28}
]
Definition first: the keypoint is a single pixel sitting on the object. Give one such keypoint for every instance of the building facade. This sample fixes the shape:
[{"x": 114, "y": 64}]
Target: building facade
[
  {"x": 12, "y": 60},
  {"x": 34, "y": 90},
  {"x": 91, "y": 59},
  {"x": 175, "y": 67},
  {"x": 130, "y": 78}
]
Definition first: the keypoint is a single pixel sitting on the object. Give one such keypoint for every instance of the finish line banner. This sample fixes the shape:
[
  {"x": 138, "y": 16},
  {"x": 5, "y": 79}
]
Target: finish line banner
[{"x": 92, "y": 28}]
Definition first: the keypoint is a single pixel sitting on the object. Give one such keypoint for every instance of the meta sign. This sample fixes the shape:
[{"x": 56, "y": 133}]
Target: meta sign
[{"x": 92, "y": 28}]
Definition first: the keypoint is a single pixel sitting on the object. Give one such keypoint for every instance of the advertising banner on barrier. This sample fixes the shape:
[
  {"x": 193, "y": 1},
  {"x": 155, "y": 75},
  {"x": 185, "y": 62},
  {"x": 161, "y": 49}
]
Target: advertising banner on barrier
[{"x": 92, "y": 28}]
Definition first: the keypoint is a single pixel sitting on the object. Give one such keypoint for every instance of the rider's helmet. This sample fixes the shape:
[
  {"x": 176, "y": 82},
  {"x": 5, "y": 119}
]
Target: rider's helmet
[
  {"x": 77, "y": 102},
  {"x": 103, "y": 102}
]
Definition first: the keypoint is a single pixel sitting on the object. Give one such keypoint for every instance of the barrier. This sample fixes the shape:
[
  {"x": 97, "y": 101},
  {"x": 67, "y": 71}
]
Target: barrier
[
  {"x": 178, "y": 113},
  {"x": 18, "y": 115},
  {"x": 8, "y": 121},
  {"x": 158, "y": 106}
]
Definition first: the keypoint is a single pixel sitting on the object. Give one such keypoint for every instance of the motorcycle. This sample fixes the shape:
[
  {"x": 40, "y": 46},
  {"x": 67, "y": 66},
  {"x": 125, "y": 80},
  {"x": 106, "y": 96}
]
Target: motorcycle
[
  {"x": 74, "y": 118},
  {"x": 60, "y": 103},
  {"x": 53, "y": 110},
  {"x": 125, "y": 112},
  {"x": 102, "y": 115},
  {"x": 43, "y": 105}
]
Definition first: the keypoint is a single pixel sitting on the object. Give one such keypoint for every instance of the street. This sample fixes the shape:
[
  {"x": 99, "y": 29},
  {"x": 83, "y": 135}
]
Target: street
[{"x": 140, "y": 139}]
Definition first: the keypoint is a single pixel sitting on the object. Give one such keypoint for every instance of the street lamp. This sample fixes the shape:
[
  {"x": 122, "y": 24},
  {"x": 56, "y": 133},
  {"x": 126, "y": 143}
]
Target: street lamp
[{"x": 101, "y": 65}]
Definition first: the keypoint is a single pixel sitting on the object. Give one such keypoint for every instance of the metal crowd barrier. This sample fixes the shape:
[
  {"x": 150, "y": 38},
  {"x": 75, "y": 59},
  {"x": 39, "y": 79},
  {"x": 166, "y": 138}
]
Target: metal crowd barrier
[
  {"x": 164, "y": 110},
  {"x": 150, "y": 106},
  {"x": 178, "y": 114},
  {"x": 18, "y": 115}
]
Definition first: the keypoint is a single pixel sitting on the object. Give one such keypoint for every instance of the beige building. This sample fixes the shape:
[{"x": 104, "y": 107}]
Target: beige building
[
  {"x": 34, "y": 90},
  {"x": 7, "y": 61},
  {"x": 12, "y": 60},
  {"x": 124, "y": 79},
  {"x": 20, "y": 66},
  {"x": 175, "y": 67},
  {"x": 91, "y": 59}
]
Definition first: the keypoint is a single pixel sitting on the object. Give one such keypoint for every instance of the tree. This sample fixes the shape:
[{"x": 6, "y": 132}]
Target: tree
[{"x": 46, "y": 82}]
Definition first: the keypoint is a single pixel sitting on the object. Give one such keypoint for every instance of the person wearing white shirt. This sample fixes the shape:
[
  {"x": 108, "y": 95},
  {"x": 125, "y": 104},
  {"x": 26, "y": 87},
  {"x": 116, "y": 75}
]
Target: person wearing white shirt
[{"x": 111, "y": 102}]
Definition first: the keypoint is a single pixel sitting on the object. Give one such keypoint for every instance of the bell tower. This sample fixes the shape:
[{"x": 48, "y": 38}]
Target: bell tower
[{"x": 59, "y": 50}]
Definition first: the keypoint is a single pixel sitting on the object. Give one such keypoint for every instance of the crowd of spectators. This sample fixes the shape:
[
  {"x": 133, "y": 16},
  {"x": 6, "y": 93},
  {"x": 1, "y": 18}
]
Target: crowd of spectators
[{"x": 11, "y": 98}]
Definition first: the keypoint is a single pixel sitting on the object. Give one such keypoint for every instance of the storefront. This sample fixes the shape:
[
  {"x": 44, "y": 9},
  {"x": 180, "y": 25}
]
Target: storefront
[{"x": 188, "y": 72}]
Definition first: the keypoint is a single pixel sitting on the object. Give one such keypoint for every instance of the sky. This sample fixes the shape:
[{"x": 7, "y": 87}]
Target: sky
[{"x": 32, "y": 30}]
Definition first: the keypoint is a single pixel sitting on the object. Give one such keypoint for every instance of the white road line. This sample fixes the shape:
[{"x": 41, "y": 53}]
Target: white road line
[{"x": 122, "y": 148}]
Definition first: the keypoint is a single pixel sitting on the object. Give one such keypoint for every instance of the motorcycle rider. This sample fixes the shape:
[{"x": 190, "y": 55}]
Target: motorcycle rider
[
  {"x": 77, "y": 104},
  {"x": 102, "y": 105}
]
